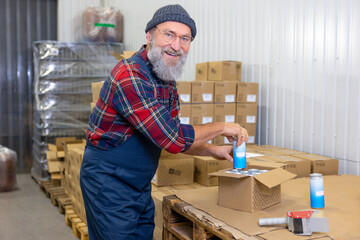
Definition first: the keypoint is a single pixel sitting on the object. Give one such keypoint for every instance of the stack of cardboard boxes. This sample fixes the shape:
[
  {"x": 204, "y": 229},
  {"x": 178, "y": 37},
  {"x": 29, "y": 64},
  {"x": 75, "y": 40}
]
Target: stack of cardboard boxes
[
  {"x": 73, "y": 160},
  {"x": 218, "y": 95},
  {"x": 55, "y": 157}
]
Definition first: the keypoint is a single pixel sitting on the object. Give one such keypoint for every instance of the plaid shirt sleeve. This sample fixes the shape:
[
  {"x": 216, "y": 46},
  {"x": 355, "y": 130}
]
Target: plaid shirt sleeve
[{"x": 136, "y": 99}]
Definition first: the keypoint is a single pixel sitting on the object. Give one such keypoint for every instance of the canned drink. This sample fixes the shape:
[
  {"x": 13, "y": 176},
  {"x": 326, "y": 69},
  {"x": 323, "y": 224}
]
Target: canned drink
[
  {"x": 239, "y": 155},
  {"x": 317, "y": 199}
]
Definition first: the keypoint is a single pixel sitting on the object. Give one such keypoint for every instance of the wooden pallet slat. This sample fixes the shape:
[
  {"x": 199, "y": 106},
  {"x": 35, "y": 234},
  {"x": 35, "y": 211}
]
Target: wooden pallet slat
[
  {"x": 63, "y": 202},
  {"x": 79, "y": 228}
]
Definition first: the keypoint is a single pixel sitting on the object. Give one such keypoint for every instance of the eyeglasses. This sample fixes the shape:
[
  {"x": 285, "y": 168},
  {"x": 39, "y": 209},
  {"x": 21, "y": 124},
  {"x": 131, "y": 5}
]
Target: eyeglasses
[{"x": 170, "y": 37}]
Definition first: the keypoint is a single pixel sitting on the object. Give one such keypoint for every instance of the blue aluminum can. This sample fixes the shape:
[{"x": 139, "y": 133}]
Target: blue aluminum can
[
  {"x": 239, "y": 155},
  {"x": 317, "y": 199}
]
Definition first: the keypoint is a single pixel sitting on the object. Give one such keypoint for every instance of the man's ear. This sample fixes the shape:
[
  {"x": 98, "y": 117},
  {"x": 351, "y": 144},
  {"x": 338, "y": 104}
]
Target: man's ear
[{"x": 148, "y": 37}]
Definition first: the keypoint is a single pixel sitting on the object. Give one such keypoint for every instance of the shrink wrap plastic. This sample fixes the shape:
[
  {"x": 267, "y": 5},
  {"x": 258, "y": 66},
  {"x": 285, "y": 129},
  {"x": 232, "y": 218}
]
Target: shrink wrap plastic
[
  {"x": 63, "y": 74},
  {"x": 103, "y": 24},
  {"x": 7, "y": 169}
]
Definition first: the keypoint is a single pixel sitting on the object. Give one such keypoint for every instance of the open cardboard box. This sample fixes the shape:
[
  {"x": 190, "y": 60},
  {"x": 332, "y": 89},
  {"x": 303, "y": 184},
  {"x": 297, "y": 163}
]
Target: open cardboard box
[{"x": 251, "y": 193}]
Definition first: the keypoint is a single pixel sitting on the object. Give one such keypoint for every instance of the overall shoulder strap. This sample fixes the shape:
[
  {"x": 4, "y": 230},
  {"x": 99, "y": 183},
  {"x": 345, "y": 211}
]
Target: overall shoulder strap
[{"x": 138, "y": 59}]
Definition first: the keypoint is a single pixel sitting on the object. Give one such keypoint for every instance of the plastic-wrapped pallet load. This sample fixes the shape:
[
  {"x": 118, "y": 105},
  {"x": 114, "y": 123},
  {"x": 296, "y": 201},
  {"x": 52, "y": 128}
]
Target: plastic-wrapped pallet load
[
  {"x": 102, "y": 24},
  {"x": 63, "y": 73},
  {"x": 8, "y": 160}
]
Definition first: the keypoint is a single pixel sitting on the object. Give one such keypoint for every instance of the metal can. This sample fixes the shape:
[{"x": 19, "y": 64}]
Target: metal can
[
  {"x": 317, "y": 199},
  {"x": 239, "y": 155}
]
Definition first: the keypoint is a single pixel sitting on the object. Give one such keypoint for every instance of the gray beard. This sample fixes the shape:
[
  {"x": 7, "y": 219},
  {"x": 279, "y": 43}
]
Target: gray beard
[{"x": 163, "y": 71}]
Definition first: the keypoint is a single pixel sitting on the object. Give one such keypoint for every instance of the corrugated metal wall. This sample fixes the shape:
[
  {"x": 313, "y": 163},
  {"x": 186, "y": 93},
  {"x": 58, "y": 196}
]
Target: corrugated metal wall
[
  {"x": 22, "y": 22},
  {"x": 302, "y": 53}
]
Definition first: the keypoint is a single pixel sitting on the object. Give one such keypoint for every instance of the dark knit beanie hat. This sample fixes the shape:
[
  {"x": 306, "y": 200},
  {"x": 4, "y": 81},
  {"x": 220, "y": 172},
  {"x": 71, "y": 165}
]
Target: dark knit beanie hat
[{"x": 174, "y": 13}]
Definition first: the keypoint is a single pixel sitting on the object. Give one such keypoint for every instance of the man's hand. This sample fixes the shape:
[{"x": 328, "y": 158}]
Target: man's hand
[
  {"x": 222, "y": 152},
  {"x": 234, "y": 130},
  {"x": 217, "y": 152},
  {"x": 209, "y": 131}
]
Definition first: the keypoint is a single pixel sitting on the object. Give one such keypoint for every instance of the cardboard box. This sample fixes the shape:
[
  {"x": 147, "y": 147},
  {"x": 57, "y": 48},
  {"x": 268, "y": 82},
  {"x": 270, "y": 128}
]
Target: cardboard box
[
  {"x": 158, "y": 233},
  {"x": 253, "y": 148},
  {"x": 300, "y": 167},
  {"x": 165, "y": 155},
  {"x": 270, "y": 147},
  {"x": 202, "y": 92},
  {"x": 247, "y": 92},
  {"x": 185, "y": 114},
  {"x": 174, "y": 171},
  {"x": 251, "y": 193},
  {"x": 158, "y": 201},
  {"x": 246, "y": 113},
  {"x": 202, "y": 113},
  {"x": 125, "y": 55},
  {"x": 58, "y": 147},
  {"x": 225, "y": 92},
  {"x": 184, "y": 91},
  {"x": 55, "y": 166},
  {"x": 321, "y": 164},
  {"x": 254, "y": 163},
  {"x": 92, "y": 105},
  {"x": 202, "y": 71},
  {"x": 204, "y": 166},
  {"x": 51, "y": 155},
  {"x": 251, "y": 129},
  {"x": 224, "y": 112},
  {"x": 224, "y": 71},
  {"x": 95, "y": 90},
  {"x": 221, "y": 140}
]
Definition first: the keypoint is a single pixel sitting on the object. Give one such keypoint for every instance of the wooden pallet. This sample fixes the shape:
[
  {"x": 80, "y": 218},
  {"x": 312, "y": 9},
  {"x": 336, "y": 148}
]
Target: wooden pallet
[
  {"x": 183, "y": 221},
  {"x": 60, "y": 199},
  {"x": 79, "y": 228},
  {"x": 64, "y": 202}
]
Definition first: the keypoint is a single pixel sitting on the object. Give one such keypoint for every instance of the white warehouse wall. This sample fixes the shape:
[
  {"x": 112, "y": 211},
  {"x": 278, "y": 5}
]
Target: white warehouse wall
[{"x": 303, "y": 54}]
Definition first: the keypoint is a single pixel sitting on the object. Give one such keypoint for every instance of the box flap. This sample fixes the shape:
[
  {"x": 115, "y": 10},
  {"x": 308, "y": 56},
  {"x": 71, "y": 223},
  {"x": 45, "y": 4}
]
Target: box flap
[
  {"x": 125, "y": 55},
  {"x": 52, "y": 147},
  {"x": 274, "y": 177},
  {"x": 223, "y": 173}
]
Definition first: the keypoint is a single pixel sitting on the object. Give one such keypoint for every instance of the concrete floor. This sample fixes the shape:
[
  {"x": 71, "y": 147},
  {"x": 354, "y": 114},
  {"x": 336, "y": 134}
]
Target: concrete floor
[{"x": 27, "y": 214}]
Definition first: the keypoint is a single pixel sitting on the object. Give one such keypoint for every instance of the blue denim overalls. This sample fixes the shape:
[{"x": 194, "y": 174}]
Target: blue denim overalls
[{"x": 116, "y": 187}]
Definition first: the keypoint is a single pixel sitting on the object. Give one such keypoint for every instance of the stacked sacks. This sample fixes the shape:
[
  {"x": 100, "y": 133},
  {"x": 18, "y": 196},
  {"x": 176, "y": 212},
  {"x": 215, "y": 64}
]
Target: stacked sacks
[
  {"x": 7, "y": 169},
  {"x": 103, "y": 24}
]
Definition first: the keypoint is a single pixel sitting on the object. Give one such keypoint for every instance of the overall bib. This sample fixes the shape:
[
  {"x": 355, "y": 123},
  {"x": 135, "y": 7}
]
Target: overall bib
[{"x": 116, "y": 187}]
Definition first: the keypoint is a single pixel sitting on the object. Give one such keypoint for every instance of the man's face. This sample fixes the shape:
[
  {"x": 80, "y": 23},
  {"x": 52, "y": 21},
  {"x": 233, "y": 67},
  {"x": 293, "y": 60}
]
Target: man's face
[{"x": 169, "y": 44}]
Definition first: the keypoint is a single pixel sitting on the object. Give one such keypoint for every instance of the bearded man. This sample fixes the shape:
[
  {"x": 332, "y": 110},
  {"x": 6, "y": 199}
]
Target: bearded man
[{"x": 135, "y": 117}]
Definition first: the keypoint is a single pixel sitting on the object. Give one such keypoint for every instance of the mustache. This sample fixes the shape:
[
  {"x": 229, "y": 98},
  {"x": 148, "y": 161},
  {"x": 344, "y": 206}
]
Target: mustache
[{"x": 173, "y": 52}]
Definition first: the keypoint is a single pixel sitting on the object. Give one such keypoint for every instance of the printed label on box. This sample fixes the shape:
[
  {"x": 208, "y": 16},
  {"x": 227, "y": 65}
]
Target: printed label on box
[
  {"x": 207, "y": 97},
  {"x": 184, "y": 120},
  {"x": 154, "y": 179},
  {"x": 251, "y": 98},
  {"x": 230, "y": 98},
  {"x": 185, "y": 97},
  {"x": 230, "y": 118},
  {"x": 250, "y": 119},
  {"x": 206, "y": 120},
  {"x": 251, "y": 139}
]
